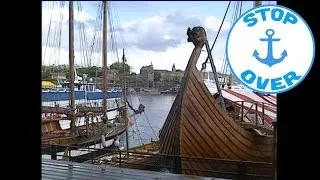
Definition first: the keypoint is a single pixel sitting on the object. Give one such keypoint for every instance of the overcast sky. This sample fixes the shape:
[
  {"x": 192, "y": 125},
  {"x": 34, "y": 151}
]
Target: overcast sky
[{"x": 150, "y": 31}]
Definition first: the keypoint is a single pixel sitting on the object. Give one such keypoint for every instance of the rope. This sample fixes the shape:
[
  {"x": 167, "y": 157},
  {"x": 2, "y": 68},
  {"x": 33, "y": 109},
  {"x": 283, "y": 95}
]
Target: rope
[
  {"x": 96, "y": 29},
  {"x": 139, "y": 134},
  {"x": 45, "y": 49},
  {"x": 204, "y": 65},
  {"x": 140, "y": 109},
  {"x": 151, "y": 126},
  {"x": 83, "y": 41},
  {"x": 60, "y": 32},
  {"x": 235, "y": 15}
]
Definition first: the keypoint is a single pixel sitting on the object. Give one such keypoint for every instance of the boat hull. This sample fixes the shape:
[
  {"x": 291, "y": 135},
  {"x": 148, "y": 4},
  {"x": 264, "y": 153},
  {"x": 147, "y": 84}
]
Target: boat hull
[
  {"x": 197, "y": 126},
  {"x": 64, "y": 96}
]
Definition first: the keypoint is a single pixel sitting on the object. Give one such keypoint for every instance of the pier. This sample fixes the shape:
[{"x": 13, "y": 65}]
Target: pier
[{"x": 53, "y": 169}]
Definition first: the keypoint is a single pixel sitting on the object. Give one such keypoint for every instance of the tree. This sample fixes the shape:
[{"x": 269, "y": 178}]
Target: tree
[
  {"x": 157, "y": 76},
  {"x": 119, "y": 66},
  {"x": 175, "y": 78},
  {"x": 46, "y": 75}
]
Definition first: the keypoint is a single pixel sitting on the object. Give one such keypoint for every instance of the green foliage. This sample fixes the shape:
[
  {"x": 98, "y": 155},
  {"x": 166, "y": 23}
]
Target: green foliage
[
  {"x": 46, "y": 75},
  {"x": 91, "y": 71},
  {"x": 175, "y": 78},
  {"x": 119, "y": 66}
]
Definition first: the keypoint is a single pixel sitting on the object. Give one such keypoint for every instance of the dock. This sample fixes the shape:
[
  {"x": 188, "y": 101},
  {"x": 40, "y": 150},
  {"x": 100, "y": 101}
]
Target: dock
[{"x": 54, "y": 169}]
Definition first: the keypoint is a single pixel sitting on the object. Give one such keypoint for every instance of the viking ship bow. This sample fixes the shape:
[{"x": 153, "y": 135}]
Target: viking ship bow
[{"x": 197, "y": 126}]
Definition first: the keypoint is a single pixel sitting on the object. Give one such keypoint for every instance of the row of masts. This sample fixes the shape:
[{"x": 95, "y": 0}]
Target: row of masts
[{"x": 71, "y": 64}]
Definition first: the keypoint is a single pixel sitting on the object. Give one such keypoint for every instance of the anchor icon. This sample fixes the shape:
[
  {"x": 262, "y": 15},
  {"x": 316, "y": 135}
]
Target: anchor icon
[{"x": 270, "y": 60}]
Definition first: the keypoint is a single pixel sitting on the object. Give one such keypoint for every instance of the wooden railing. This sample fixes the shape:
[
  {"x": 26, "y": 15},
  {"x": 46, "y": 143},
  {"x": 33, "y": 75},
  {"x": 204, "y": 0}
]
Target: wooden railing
[
  {"x": 220, "y": 168},
  {"x": 240, "y": 113}
]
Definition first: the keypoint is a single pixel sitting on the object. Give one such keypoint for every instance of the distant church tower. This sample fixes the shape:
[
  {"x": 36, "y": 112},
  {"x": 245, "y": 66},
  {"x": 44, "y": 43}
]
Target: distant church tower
[{"x": 173, "y": 68}]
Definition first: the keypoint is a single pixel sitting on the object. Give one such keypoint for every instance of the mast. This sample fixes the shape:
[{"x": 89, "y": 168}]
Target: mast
[
  {"x": 125, "y": 98},
  {"x": 71, "y": 68},
  {"x": 104, "y": 58}
]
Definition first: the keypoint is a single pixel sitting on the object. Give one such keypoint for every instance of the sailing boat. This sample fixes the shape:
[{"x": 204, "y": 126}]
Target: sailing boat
[{"x": 96, "y": 126}]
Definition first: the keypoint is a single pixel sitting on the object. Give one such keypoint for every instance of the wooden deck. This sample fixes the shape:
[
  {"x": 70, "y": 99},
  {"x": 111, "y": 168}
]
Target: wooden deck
[{"x": 53, "y": 169}]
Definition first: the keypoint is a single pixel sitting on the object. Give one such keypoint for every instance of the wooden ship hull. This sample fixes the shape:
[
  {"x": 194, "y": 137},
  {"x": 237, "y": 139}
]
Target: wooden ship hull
[
  {"x": 197, "y": 127},
  {"x": 52, "y": 133}
]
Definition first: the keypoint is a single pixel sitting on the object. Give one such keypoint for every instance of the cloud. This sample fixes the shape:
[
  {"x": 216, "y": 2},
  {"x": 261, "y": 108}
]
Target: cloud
[
  {"x": 168, "y": 30},
  {"x": 160, "y": 39}
]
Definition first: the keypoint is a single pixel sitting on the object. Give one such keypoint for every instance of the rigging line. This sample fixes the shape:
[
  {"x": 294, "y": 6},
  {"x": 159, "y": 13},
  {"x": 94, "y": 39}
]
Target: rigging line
[
  {"x": 95, "y": 46},
  {"x": 55, "y": 40},
  {"x": 150, "y": 125},
  {"x": 224, "y": 60},
  {"x": 233, "y": 18},
  {"x": 134, "y": 118},
  {"x": 81, "y": 44},
  {"x": 121, "y": 33},
  {"x": 99, "y": 47},
  {"x": 53, "y": 44},
  {"x": 233, "y": 21},
  {"x": 135, "y": 121},
  {"x": 119, "y": 25},
  {"x": 115, "y": 35},
  {"x": 95, "y": 32},
  {"x": 58, "y": 34},
  {"x": 82, "y": 48},
  {"x": 82, "y": 39},
  {"x": 148, "y": 120},
  {"x": 85, "y": 39},
  {"x": 59, "y": 43},
  {"x": 122, "y": 37},
  {"x": 223, "y": 70},
  {"x": 110, "y": 24},
  {"x": 139, "y": 134},
  {"x": 45, "y": 49},
  {"x": 112, "y": 31},
  {"x": 237, "y": 15},
  {"x": 214, "y": 42}
]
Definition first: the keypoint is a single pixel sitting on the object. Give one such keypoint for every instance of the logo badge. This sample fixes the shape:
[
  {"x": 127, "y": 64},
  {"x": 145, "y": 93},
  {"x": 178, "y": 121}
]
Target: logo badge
[{"x": 270, "y": 49}]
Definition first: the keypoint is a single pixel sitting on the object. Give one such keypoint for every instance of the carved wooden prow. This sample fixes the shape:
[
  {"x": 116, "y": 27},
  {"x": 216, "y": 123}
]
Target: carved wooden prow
[{"x": 198, "y": 37}]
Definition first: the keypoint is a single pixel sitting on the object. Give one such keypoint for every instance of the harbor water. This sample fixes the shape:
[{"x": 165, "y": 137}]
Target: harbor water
[{"x": 146, "y": 126}]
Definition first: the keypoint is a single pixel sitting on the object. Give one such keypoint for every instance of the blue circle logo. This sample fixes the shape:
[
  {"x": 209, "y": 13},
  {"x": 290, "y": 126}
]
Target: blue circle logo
[{"x": 270, "y": 49}]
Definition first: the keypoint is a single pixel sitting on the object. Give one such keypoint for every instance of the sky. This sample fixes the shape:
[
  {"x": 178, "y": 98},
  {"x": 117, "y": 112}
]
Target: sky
[{"x": 149, "y": 31}]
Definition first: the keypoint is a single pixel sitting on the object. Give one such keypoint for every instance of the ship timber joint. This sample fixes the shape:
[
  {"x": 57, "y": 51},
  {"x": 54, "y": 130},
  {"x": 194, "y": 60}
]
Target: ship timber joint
[{"x": 197, "y": 36}]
